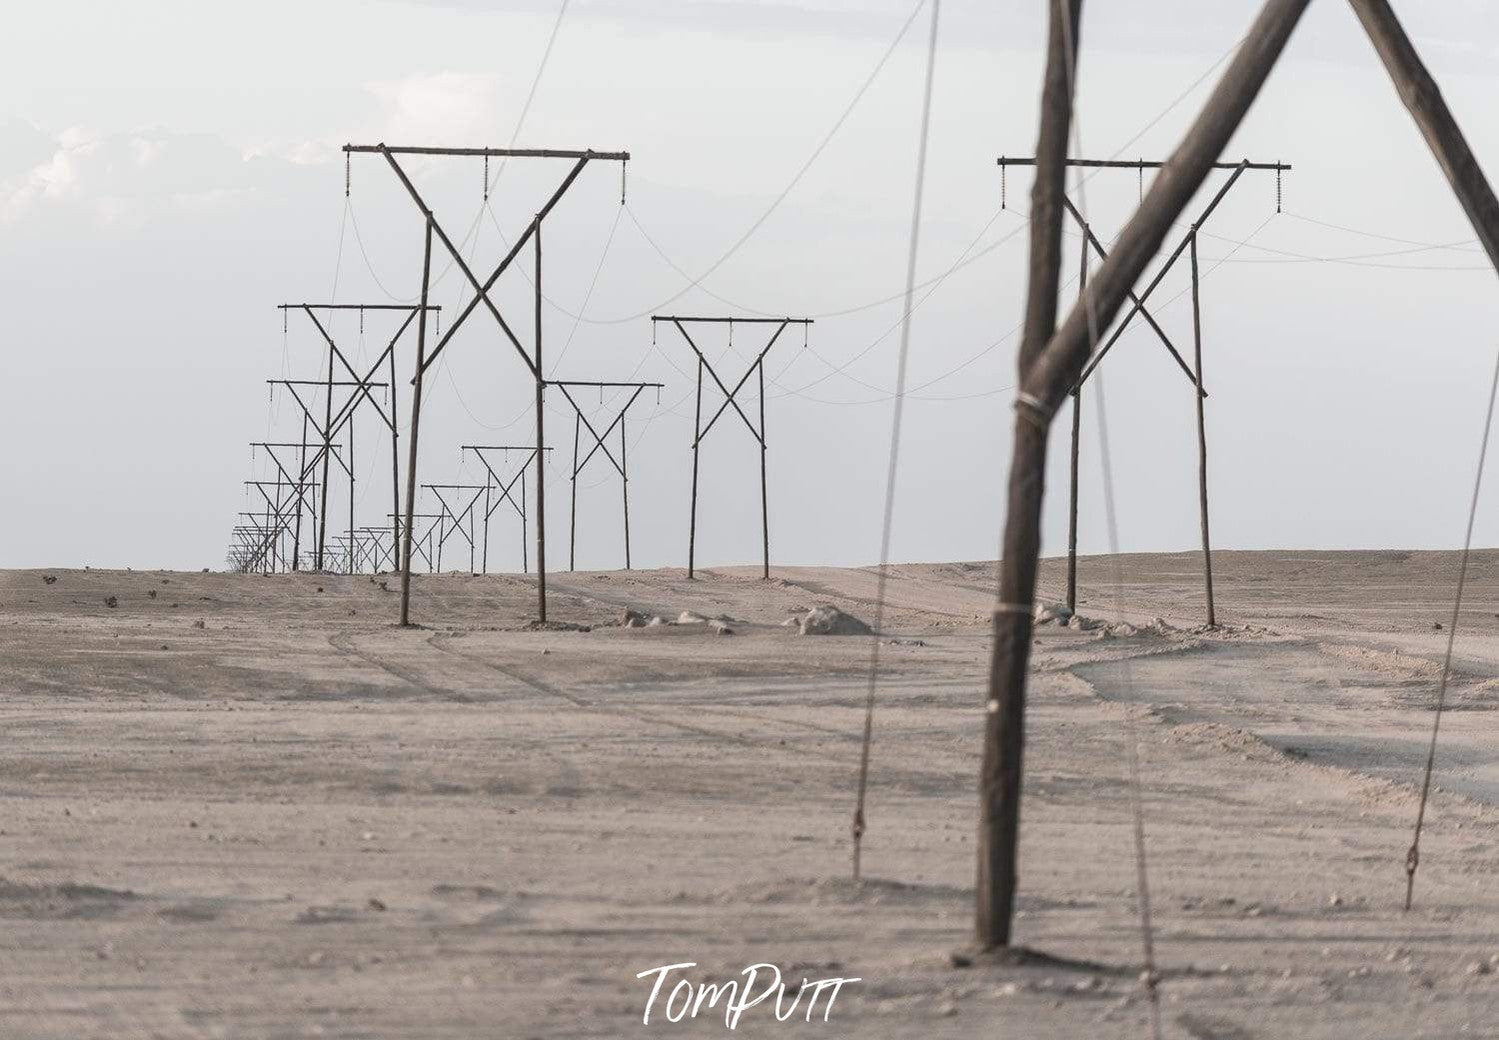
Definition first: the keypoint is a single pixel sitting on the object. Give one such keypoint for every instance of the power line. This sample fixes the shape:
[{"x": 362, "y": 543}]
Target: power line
[
  {"x": 775, "y": 204},
  {"x": 1458, "y": 246}
]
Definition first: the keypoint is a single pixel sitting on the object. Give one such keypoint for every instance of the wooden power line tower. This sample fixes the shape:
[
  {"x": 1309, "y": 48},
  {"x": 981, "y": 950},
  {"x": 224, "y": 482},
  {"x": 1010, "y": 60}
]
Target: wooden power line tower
[
  {"x": 1052, "y": 356},
  {"x": 1193, "y": 372},
  {"x": 532, "y": 360},
  {"x": 699, "y": 431}
]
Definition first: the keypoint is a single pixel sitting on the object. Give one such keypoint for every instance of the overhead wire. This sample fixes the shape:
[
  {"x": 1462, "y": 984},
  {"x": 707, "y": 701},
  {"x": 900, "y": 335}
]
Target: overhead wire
[
  {"x": 775, "y": 204},
  {"x": 1462, "y": 246},
  {"x": 937, "y": 280},
  {"x": 525, "y": 108}
]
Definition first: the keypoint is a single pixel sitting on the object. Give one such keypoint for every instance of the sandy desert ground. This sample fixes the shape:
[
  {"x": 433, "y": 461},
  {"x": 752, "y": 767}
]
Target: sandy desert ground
[{"x": 250, "y": 807}]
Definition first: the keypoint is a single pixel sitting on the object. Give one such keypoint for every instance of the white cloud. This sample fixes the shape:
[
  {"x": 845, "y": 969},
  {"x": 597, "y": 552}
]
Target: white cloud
[
  {"x": 22, "y": 146},
  {"x": 439, "y": 108},
  {"x": 123, "y": 178}
]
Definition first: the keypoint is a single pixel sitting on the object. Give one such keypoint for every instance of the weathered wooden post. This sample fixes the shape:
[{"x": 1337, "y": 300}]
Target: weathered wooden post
[
  {"x": 1202, "y": 434},
  {"x": 1004, "y": 717},
  {"x": 416, "y": 419},
  {"x": 541, "y": 477},
  {"x": 1050, "y": 363},
  {"x": 1077, "y": 429}
]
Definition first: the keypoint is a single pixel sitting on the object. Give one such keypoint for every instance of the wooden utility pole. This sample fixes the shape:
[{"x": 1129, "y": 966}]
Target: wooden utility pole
[
  {"x": 1004, "y": 718},
  {"x": 541, "y": 477},
  {"x": 1077, "y": 429},
  {"x": 416, "y": 422},
  {"x": 1202, "y": 436},
  {"x": 322, "y": 528},
  {"x": 1423, "y": 99},
  {"x": 1051, "y": 359}
]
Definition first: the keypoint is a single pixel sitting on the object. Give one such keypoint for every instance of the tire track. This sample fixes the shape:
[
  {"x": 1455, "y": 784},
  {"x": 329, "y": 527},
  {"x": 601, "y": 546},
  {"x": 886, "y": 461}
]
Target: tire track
[
  {"x": 343, "y": 642},
  {"x": 439, "y": 642}
]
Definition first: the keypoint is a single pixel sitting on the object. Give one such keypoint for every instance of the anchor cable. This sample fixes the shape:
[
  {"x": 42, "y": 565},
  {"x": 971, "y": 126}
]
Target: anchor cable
[
  {"x": 1149, "y": 979},
  {"x": 858, "y": 826},
  {"x": 1413, "y": 855}
]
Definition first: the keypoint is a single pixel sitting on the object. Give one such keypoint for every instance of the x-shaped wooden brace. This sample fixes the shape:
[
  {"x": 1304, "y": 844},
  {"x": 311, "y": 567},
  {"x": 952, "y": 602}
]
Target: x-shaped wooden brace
[
  {"x": 505, "y": 487},
  {"x": 363, "y": 384},
  {"x": 331, "y": 430},
  {"x": 1138, "y": 301},
  {"x": 298, "y": 485},
  {"x": 500, "y": 484},
  {"x": 730, "y": 396},
  {"x": 1092, "y": 243},
  {"x": 482, "y": 289},
  {"x": 419, "y": 542},
  {"x": 376, "y": 552},
  {"x": 457, "y": 518},
  {"x": 599, "y": 442}
]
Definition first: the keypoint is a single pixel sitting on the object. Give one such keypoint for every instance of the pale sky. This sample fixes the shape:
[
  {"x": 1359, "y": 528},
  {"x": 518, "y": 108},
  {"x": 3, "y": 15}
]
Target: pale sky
[{"x": 170, "y": 172}]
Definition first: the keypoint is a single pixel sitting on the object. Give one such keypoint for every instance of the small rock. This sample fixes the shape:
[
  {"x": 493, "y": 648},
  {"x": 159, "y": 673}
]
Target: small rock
[
  {"x": 376, "y": 903},
  {"x": 196, "y": 624},
  {"x": 688, "y": 617},
  {"x": 1334, "y": 900},
  {"x": 1479, "y": 968},
  {"x": 49, "y": 579},
  {"x": 828, "y": 620},
  {"x": 151, "y": 593},
  {"x": 719, "y": 628},
  {"x": 111, "y": 602},
  {"x": 1051, "y": 613}
]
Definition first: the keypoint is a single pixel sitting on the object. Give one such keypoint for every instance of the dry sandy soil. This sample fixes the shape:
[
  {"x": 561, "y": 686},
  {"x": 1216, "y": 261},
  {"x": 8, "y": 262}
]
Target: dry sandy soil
[{"x": 240, "y": 806}]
